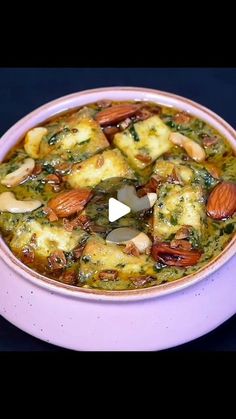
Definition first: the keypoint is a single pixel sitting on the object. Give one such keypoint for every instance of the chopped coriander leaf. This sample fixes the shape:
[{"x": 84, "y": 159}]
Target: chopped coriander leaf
[{"x": 134, "y": 133}]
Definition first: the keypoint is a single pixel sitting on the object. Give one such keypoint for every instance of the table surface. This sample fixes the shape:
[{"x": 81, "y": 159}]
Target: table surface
[{"x": 24, "y": 89}]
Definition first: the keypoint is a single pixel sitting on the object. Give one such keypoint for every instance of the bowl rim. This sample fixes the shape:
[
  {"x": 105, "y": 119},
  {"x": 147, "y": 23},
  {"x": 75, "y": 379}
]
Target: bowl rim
[{"x": 122, "y": 295}]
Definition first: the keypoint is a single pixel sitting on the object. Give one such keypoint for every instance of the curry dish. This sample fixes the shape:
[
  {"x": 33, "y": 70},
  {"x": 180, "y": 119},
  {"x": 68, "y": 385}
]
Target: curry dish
[{"x": 175, "y": 172}]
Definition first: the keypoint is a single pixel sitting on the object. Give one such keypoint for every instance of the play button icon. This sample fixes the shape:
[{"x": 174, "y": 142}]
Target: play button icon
[{"x": 116, "y": 209}]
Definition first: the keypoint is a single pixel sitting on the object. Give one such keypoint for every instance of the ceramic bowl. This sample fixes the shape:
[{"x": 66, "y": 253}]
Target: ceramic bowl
[{"x": 148, "y": 319}]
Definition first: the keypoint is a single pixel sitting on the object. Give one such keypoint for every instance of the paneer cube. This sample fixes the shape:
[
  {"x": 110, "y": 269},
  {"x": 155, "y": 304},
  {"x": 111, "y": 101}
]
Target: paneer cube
[
  {"x": 106, "y": 165},
  {"x": 78, "y": 141},
  {"x": 164, "y": 169},
  {"x": 178, "y": 206},
  {"x": 47, "y": 238},
  {"x": 99, "y": 255},
  {"x": 144, "y": 141}
]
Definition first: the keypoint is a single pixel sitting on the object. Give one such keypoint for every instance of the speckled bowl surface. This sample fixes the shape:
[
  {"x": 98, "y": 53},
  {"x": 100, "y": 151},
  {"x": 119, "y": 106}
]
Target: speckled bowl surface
[{"x": 148, "y": 319}]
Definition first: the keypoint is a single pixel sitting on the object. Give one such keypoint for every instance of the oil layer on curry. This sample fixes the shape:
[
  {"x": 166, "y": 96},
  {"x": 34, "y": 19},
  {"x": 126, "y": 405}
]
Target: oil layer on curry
[{"x": 175, "y": 172}]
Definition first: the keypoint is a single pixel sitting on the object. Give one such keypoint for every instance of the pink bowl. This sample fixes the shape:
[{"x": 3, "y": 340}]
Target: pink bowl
[{"x": 149, "y": 319}]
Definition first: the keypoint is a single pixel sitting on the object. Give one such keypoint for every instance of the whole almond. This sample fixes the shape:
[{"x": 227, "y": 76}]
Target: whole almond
[
  {"x": 115, "y": 114},
  {"x": 222, "y": 201},
  {"x": 71, "y": 202},
  {"x": 175, "y": 256}
]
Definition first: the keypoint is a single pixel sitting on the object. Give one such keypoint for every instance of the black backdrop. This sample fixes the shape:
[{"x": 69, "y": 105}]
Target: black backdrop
[{"x": 24, "y": 89}]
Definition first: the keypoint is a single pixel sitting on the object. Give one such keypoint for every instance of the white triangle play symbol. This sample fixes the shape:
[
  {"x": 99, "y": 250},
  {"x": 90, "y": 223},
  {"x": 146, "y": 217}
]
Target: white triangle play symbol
[{"x": 116, "y": 209}]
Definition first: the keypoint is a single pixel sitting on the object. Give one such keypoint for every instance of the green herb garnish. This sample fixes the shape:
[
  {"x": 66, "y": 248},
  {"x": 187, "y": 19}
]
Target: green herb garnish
[
  {"x": 48, "y": 168},
  {"x": 229, "y": 228},
  {"x": 134, "y": 134},
  {"x": 173, "y": 220}
]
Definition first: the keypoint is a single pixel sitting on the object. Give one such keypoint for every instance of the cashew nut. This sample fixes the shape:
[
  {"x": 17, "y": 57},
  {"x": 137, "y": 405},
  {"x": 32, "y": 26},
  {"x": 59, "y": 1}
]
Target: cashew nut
[
  {"x": 127, "y": 194},
  {"x": 193, "y": 149},
  {"x": 19, "y": 175},
  {"x": 8, "y": 203},
  {"x": 124, "y": 235},
  {"x": 32, "y": 141}
]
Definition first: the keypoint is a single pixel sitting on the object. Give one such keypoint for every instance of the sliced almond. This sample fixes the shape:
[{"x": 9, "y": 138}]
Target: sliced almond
[
  {"x": 54, "y": 179},
  {"x": 140, "y": 281},
  {"x": 150, "y": 187},
  {"x": 68, "y": 277},
  {"x": 183, "y": 233},
  {"x": 222, "y": 201},
  {"x": 68, "y": 203},
  {"x": 209, "y": 141},
  {"x": 50, "y": 214},
  {"x": 181, "y": 244},
  {"x": 104, "y": 103},
  {"x": 182, "y": 118},
  {"x": 78, "y": 252},
  {"x": 145, "y": 113},
  {"x": 108, "y": 275},
  {"x": 131, "y": 249},
  {"x": 115, "y": 114},
  {"x": 57, "y": 260},
  {"x": 96, "y": 228},
  {"x": 175, "y": 177},
  {"x": 27, "y": 255},
  {"x": 82, "y": 221}
]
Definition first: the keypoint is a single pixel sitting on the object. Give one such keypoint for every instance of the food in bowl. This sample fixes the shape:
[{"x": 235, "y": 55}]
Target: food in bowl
[{"x": 176, "y": 173}]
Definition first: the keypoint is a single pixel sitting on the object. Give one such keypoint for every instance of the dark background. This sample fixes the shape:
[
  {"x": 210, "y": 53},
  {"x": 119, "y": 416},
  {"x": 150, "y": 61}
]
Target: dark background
[{"x": 24, "y": 89}]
